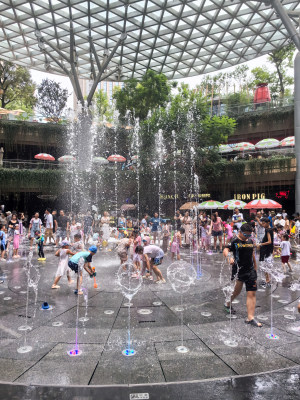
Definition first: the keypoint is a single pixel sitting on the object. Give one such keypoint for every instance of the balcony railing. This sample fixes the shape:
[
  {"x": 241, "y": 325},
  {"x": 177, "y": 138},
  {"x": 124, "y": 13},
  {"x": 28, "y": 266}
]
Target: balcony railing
[{"x": 220, "y": 109}]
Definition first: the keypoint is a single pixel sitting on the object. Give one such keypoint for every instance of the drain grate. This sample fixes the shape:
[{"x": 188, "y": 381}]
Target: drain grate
[{"x": 143, "y": 322}]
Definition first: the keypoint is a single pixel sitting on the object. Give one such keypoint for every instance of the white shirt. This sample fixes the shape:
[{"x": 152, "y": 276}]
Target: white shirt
[
  {"x": 153, "y": 251},
  {"x": 49, "y": 221},
  {"x": 238, "y": 217},
  {"x": 279, "y": 222},
  {"x": 144, "y": 222},
  {"x": 285, "y": 248}
]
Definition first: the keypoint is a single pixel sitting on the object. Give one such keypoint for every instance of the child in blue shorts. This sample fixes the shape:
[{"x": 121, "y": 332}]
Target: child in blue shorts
[{"x": 86, "y": 256}]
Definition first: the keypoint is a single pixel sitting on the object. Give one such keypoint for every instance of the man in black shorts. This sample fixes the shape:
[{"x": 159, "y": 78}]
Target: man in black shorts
[{"x": 244, "y": 270}]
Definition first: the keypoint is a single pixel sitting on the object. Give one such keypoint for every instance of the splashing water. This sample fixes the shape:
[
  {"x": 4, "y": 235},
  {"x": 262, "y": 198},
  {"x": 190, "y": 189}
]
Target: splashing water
[
  {"x": 130, "y": 283},
  {"x": 276, "y": 275},
  {"x": 33, "y": 277},
  {"x": 181, "y": 275}
]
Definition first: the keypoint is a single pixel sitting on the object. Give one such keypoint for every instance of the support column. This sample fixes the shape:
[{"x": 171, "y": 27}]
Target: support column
[{"x": 297, "y": 129}]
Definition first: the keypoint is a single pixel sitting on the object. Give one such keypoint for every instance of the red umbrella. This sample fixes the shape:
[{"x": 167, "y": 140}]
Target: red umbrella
[
  {"x": 116, "y": 158},
  {"x": 262, "y": 203},
  {"x": 44, "y": 157}
]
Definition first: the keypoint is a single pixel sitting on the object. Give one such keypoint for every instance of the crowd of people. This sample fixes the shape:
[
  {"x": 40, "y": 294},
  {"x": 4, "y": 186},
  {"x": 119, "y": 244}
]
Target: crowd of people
[{"x": 145, "y": 242}]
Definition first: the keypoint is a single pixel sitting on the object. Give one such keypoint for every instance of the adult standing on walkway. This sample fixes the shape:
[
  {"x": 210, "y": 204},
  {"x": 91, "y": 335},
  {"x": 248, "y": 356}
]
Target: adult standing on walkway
[
  {"x": 49, "y": 226},
  {"x": 63, "y": 226},
  {"x": 186, "y": 224},
  {"x": 177, "y": 218},
  {"x": 155, "y": 223},
  {"x": 105, "y": 221},
  {"x": 260, "y": 230},
  {"x": 35, "y": 227}
]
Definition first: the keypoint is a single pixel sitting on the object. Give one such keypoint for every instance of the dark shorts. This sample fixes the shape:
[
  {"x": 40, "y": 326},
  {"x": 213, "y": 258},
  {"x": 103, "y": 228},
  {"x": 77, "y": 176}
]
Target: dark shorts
[
  {"x": 216, "y": 233},
  {"x": 285, "y": 259},
  {"x": 157, "y": 261},
  {"x": 73, "y": 266},
  {"x": 249, "y": 278},
  {"x": 87, "y": 230},
  {"x": 3, "y": 248}
]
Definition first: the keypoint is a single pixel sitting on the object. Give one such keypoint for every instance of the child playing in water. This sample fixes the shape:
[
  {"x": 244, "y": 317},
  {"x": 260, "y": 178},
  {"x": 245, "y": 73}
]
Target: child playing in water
[
  {"x": 166, "y": 232},
  {"x": 3, "y": 242},
  {"x": 229, "y": 232},
  {"x": 276, "y": 242},
  {"x": 16, "y": 242},
  {"x": 175, "y": 245},
  {"x": 63, "y": 268},
  {"x": 77, "y": 245},
  {"x": 86, "y": 257},
  {"x": 39, "y": 239},
  {"x": 205, "y": 236},
  {"x": 122, "y": 249},
  {"x": 137, "y": 259},
  {"x": 285, "y": 252}
]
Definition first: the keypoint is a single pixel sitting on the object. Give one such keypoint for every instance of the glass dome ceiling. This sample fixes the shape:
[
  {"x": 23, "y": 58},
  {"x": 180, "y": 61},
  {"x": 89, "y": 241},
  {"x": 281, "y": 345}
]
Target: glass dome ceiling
[{"x": 178, "y": 38}]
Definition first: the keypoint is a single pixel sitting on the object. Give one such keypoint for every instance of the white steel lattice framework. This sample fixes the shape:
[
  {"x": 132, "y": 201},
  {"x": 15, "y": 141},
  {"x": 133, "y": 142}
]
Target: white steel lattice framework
[{"x": 178, "y": 38}]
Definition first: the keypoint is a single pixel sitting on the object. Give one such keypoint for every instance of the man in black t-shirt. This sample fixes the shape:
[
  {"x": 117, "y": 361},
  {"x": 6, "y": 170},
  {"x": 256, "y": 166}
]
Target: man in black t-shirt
[
  {"x": 63, "y": 226},
  {"x": 88, "y": 223},
  {"x": 266, "y": 249},
  {"x": 244, "y": 271}
]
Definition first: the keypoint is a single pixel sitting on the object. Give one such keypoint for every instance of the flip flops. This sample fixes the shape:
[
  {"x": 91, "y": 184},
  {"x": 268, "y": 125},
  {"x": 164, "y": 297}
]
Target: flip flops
[{"x": 253, "y": 322}]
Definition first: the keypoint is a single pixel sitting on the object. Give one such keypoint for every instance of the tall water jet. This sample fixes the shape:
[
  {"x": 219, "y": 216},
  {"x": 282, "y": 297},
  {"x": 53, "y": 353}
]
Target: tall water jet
[
  {"x": 181, "y": 275},
  {"x": 129, "y": 283}
]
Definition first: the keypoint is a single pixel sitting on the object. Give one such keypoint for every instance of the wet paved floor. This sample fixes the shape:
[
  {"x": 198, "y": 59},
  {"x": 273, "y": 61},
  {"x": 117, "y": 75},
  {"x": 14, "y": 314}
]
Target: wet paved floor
[{"x": 155, "y": 336}]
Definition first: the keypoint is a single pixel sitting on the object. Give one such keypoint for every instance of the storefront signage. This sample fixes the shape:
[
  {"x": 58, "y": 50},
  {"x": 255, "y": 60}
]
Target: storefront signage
[
  {"x": 191, "y": 196},
  {"x": 249, "y": 196},
  {"x": 283, "y": 193}
]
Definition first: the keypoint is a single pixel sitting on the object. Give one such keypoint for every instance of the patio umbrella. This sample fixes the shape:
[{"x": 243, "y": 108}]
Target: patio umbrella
[
  {"x": 263, "y": 203},
  {"x": 134, "y": 158},
  {"x": 66, "y": 158},
  {"x": 288, "y": 142},
  {"x": 243, "y": 146},
  {"x": 44, "y": 157},
  {"x": 189, "y": 206},
  {"x": 210, "y": 205},
  {"x": 232, "y": 204},
  {"x": 19, "y": 111},
  {"x": 128, "y": 207},
  {"x": 3, "y": 111},
  {"x": 267, "y": 144},
  {"x": 100, "y": 160},
  {"x": 116, "y": 158},
  {"x": 225, "y": 148}
]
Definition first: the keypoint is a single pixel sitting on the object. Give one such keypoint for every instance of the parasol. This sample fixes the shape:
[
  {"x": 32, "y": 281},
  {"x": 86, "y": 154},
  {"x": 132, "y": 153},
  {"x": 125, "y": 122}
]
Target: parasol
[
  {"x": 288, "y": 142},
  {"x": 116, "y": 158},
  {"x": 262, "y": 203},
  {"x": 66, "y": 158},
  {"x": 210, "y": 205},
  {"x": 232, "y": 204},
  {"x": 100, "y": 160},
  {"x": 225, "y": 148},
  {"x": 189, "y": 206},
  {"x": 243, "y": 146},
  {"x": 267, "y": 144},
  {"x": 44, "y": 157},
  {"x": 128, "y": 207}
]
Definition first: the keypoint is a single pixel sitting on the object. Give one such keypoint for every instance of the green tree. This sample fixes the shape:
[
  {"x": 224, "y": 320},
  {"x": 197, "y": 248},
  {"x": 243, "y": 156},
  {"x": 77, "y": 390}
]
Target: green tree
[
  {"x": 140, "y": 97},
  {"x": 282, "y": 59},
  {"x": 52, "y": 99},
  {"x": 104, "y": 108},
  {"x": 279, "y": 80},
  {"x": 16, "y": 86}
]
